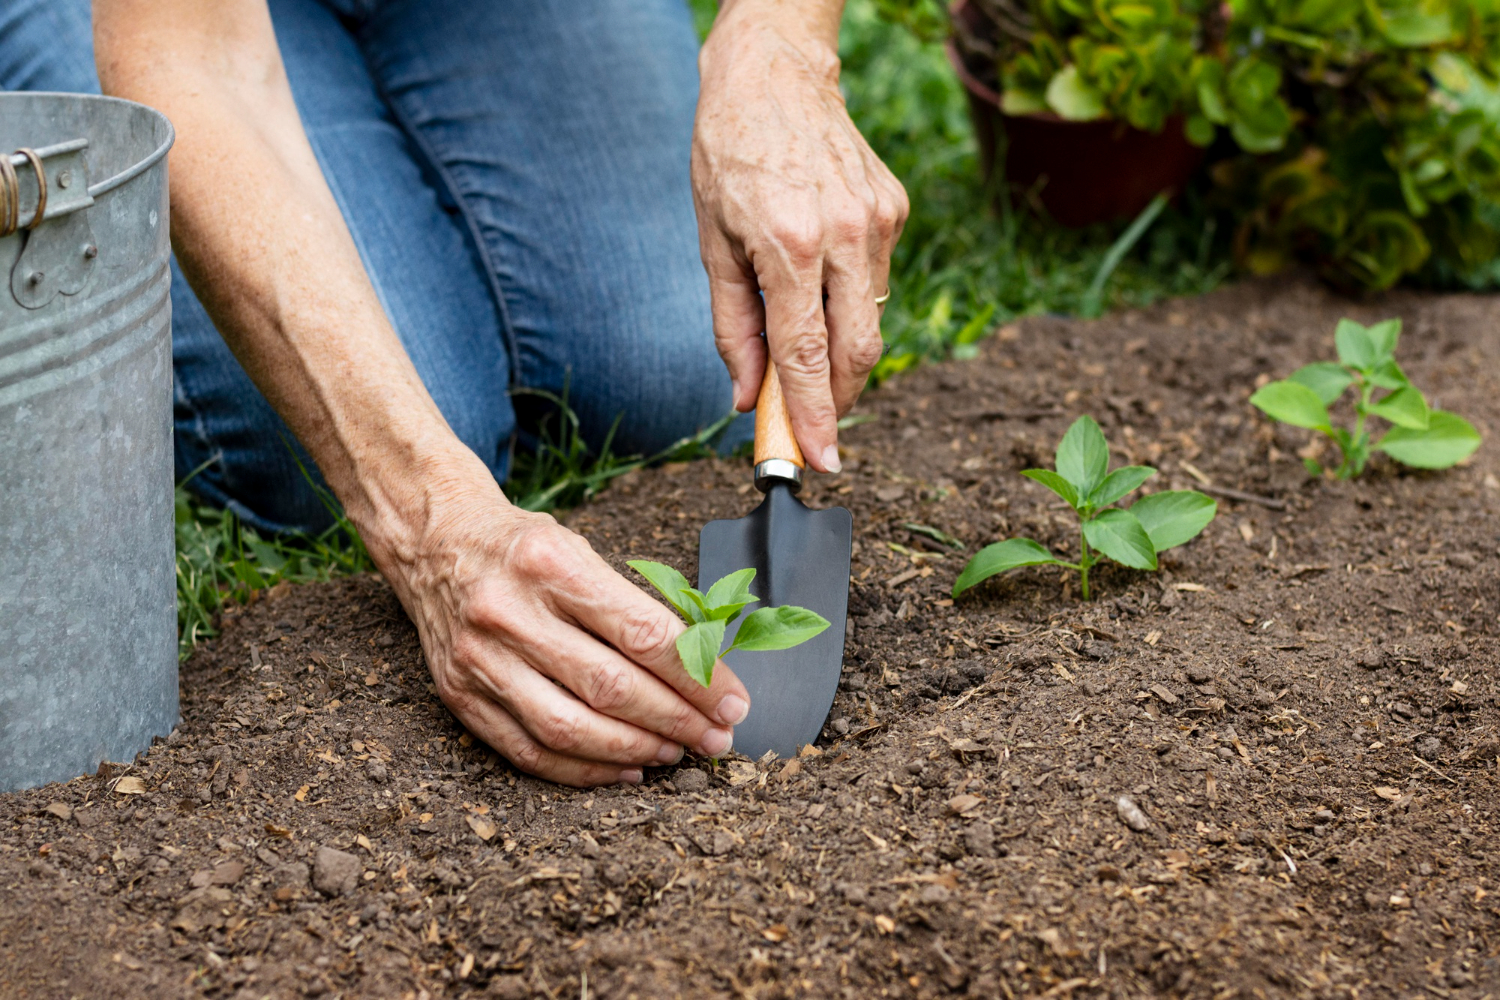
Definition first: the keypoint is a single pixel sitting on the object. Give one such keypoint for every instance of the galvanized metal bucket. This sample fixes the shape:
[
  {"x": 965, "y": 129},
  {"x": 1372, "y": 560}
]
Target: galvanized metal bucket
[{"x": 88, "y": 626}]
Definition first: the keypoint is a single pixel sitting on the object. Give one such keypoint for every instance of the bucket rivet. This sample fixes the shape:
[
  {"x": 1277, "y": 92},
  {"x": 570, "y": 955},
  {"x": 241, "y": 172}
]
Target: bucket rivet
[
  {"x": 90, "y": 251},
  {"x": 65, "y": 178},
  {"x": 35, "y": 278}
]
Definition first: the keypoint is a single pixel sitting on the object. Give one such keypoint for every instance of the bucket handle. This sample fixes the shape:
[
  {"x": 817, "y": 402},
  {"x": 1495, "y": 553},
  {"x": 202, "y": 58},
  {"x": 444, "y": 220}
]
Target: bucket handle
[{"x": 58, "y": 176}]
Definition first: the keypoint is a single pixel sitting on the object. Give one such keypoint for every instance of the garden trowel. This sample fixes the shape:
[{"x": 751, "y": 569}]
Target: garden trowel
[{"x": 801, "y": 557}]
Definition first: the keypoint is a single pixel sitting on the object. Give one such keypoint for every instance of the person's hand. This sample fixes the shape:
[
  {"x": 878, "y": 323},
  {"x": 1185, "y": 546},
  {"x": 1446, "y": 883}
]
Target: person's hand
[
  {"x": 545, "y": 652},
  {"x": 792, "y": 205}
]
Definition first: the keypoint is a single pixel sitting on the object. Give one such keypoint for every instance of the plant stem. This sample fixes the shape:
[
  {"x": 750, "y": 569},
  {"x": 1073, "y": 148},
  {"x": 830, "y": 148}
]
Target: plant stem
[{"x": 1084, "y": 562}]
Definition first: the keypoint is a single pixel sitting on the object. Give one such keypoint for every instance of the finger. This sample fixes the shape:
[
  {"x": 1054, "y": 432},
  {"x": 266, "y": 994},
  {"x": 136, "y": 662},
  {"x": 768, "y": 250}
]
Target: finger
[
  {"x": 797, "y": 336},
  {"x": 738, "y": 317},
  {"x": 646, "y": 633},
  {"x": 509, "y": 738},
  {"x": 854, "y": 343},
  {"x": 614, "y": 686},
  {"x": 560, "y": 722}
]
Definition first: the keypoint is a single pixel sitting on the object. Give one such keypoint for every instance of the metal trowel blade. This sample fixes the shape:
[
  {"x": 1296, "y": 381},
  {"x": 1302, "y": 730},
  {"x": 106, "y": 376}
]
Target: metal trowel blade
[{"x": 801, "y": 557}]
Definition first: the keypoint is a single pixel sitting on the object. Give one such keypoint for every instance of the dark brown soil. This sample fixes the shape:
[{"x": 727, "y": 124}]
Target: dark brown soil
[{"x": 1302, "y": 706}]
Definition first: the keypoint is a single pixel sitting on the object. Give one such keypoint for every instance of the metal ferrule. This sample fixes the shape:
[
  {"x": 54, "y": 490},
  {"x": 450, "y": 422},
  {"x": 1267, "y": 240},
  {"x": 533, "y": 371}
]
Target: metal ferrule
[{"x": 778, "y": 470}]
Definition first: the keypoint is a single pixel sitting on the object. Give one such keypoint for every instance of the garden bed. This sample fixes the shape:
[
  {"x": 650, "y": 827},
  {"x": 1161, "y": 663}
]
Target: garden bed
[{"x": 1302, "y": 705}]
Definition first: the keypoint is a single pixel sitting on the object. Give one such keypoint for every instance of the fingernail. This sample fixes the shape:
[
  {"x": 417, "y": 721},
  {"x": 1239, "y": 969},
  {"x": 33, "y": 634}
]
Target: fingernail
[
  {"x": 733, "y": 709},
  {"x": 831, "y": 461},
  {"x": 631, "y": 776},
  {"x": 734, "y": 390},
  {"x": 670, "y": 753},
  {"x": 716, "y": 742}
]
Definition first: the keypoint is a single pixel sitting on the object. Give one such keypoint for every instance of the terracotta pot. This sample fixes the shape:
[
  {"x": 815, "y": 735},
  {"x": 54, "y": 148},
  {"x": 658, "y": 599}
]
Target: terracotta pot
[{"x": 1089, "y": 172}]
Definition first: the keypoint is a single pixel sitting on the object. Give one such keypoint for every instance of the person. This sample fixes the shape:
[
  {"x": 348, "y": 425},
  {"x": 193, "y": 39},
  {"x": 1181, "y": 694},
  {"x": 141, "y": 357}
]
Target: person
[{"x": 391, "y": 219}]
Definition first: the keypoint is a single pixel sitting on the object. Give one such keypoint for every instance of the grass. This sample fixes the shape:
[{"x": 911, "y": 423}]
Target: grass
[{"x": 960, "y": 270}]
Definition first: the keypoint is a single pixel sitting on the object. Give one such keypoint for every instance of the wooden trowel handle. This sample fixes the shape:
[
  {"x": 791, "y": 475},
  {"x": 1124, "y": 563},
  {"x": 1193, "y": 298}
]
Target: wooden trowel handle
[{"x": 773, "y": 427}]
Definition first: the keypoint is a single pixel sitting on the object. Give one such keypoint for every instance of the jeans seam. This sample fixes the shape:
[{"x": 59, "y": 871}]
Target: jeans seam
[{"x": 471, "y": 226}]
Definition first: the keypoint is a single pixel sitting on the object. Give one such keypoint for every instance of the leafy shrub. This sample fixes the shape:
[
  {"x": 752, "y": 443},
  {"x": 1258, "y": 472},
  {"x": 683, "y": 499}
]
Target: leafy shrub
[
  {"x": 1420, "y": 437},
  {"x": 1130, "y": 536},
  {"x": 1363, "y": 137}
]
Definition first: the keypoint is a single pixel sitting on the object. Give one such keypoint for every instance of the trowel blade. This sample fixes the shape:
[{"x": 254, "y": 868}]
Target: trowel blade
[{"x": 801, "y": 557}]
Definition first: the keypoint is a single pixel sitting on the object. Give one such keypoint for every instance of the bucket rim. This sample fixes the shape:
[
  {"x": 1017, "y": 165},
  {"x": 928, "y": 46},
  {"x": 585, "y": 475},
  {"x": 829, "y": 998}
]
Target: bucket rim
[{"x": 135, "y": 169}]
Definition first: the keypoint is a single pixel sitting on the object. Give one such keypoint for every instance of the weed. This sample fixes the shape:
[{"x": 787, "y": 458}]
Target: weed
[
  {"x": 1420, "y": 437},
  {"x": 1131, "y": 536},
  {"x": 708, "y": 615}
]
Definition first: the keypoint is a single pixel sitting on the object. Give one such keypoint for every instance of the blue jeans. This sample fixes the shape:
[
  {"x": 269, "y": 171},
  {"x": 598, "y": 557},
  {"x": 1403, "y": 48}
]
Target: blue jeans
[{"x": 515, "y": 176}]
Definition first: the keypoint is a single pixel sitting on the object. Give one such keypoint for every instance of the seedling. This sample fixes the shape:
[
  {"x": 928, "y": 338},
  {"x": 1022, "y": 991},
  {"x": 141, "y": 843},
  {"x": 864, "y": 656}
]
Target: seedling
[
  {"x": 709, "y": 615},
  {"x": 1132, "y": 536},
  {"x": 1422, "y": 438}
]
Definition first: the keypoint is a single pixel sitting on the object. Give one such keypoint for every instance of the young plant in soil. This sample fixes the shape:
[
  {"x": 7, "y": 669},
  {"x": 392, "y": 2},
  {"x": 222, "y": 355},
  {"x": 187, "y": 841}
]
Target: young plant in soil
[
  {"x": 1421, "y": 437},
  {"x": 1130, "y": 536},
  {"x": 709, "y": 615}
]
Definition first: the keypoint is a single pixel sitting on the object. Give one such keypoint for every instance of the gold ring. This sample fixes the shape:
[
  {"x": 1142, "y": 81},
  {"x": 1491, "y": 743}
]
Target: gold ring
[{"x": 881, "y": 300}]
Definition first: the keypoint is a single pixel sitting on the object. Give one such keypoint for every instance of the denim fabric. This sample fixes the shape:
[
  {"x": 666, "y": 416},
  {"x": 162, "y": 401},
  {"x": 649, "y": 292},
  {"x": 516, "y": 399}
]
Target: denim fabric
[{"x": 515, "y": 176}]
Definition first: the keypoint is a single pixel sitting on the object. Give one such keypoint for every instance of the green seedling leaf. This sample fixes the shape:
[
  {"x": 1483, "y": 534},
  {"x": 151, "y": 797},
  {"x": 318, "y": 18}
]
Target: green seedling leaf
[
  {"x": 1405, "y": 408},
  {"x": 1325, "y": 378},
  {"x": 1388, "y": 375},
  {"x": 1355, "y": 347},
  {"x": 936, "y": 534},
  {"x": 777, "y": 628},
  {"x": 729, "y": 596},
  {"x": 992, "y": 559},
  {"x": 1173, "y": 516},
  {"x": 1057, "y": 484},
  {"x": 1083, "y": 456},
  {"x": 1292, "y": 403},
  {"x": 1313, "y": 466},
  {"x": 1118, "y": 534},
  {"x": 699, "y": 649},
  {"x": 1118, "y": 483},
  {"x": 1447, "y": 440},
  {"x": 670, "y": 584},
  {"x": 1383, "y": 337}
]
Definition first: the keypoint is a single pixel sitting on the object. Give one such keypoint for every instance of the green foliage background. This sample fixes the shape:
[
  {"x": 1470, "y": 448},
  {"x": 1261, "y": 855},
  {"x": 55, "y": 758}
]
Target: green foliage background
[{"x": 1362, "y": 136}]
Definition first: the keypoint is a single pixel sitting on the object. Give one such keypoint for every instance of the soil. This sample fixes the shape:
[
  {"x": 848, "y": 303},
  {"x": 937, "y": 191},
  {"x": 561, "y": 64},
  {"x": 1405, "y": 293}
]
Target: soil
[{"x": 1268, "y": 770}]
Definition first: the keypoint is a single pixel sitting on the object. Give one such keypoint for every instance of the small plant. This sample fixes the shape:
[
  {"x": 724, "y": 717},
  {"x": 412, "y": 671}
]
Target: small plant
[
  {"x": 1422, "y": 438},
  {"x": 708, "y": 615},
  {"x": 1130, "y": 536}
]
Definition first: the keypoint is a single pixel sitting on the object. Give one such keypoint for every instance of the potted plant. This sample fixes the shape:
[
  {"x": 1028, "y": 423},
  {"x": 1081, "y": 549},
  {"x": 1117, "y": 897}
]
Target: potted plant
[{"x": 1360, "y": 137}]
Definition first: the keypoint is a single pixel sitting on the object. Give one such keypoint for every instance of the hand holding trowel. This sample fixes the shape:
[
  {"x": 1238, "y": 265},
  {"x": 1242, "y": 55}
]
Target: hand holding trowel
[{"x": 800, "y": 557}]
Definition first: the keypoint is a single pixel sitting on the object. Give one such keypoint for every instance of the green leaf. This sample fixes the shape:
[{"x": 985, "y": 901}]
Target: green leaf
[
  {"x": 1057, "y": 484},
  {"x": 1118, "y": 534},
  {"x": 1292, "y": 403},
  {"x": 1211, "y": 91},
  {"x": 1174, "y": 516},
  {"x": 730, "y": 595},
  {"x": 1356, "y": 349},
  {"x": 698, "y": 608},
  {"x": 1383, "y": 337},
  {"x": 1447, "y": 440},
  {"x": 699, "y": 649},
  {"x": 670, "y": 584},
  {"x": 1010, "y": 554},
  {"x": 1119, "y": 483},
  {"x": 1388, "y": 376},
  {"x": 1414, "y": 29},
  {"x": 1083, "y": 455},
  {"x": 1325, "y": 378},
  {"x": 1313, "y": 466},
  {"x": 1021, "y": 102},
  {"x": 777, "y": 628},
  {"x": 1198, "y": 130},
  {"x": 1072, "y": 98},
  {"x": 1405, "y": 408}
]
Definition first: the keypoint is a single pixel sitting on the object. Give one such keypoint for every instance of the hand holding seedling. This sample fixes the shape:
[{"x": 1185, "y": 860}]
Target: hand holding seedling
[
  {"x": 709, "y": 615},
  {"x": 1131, "y": 537},
  {"x": 552, "y": 657},
  {"x": 1422, "y": 438}
]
